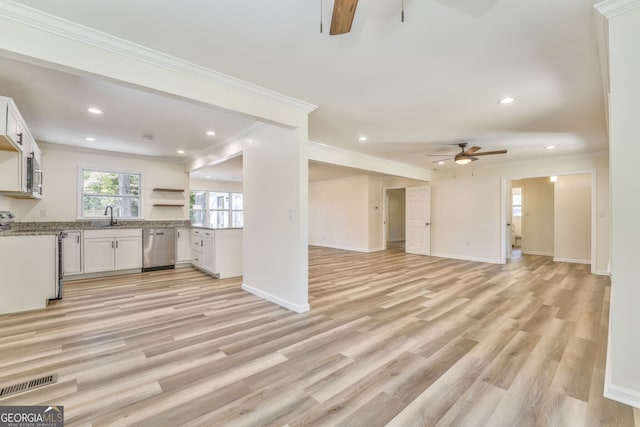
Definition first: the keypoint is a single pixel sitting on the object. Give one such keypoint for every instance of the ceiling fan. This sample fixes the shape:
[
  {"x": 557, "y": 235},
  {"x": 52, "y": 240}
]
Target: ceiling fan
[{"x": 469, "y": 155}]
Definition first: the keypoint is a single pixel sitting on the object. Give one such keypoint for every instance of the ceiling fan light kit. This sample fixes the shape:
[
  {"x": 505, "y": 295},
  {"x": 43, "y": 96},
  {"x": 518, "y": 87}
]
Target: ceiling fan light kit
[{"x": 463, "y": 160}]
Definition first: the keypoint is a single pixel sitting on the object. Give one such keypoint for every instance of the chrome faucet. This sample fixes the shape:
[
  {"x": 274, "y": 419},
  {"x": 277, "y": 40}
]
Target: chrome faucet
[{"x": 111, "y": 221}]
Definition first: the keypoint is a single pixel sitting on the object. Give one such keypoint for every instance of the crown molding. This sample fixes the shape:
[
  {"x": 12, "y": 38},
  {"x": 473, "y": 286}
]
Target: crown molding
[
  {"x": 611, "y": 8},
  {"x": 40, "y": 20}
]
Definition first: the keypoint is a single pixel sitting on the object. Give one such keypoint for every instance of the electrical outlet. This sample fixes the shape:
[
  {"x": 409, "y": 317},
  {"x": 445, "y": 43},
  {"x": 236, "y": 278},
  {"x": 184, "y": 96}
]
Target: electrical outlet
[{"x": 43, "y": 212}]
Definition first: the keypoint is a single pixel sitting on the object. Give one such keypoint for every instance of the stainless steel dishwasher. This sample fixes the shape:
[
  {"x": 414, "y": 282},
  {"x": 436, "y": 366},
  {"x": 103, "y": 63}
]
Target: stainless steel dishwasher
[{"x": 158, "y": 248}]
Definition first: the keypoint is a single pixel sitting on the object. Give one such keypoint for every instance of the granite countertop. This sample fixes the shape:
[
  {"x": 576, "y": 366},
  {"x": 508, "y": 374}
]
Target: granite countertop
[
  {"x": 52, "y": 228},
  {"x": 28, "y": 233},
  {"x": 48, "y": 228}
]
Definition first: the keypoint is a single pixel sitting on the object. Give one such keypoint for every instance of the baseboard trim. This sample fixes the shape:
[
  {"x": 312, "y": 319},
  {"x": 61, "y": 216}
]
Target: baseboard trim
[
  {"x": 347, "y": 248},
  {"x": 602, "y": 272},
  {"x": 298, "y": 308},
  {"x": 537, "y": 253},
  {"x": 572, "y": 260},
  {"x": 622, "y": 395},
  {"x": 466, "y": 258}
]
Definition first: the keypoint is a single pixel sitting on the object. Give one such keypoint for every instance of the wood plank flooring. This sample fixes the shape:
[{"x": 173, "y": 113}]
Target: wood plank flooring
[{"x": 391, "y": 339}]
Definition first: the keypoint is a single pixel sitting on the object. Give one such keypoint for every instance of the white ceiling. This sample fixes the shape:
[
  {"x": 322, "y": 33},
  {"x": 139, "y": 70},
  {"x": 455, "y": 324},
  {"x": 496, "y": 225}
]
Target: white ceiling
[{"x": 436, "y": 78}]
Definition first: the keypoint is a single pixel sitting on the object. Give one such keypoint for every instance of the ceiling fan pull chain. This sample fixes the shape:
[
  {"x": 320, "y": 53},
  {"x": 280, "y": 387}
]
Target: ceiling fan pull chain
[
  {"x": 320, "y": 16},
  {"x": 402, "y": 13}
]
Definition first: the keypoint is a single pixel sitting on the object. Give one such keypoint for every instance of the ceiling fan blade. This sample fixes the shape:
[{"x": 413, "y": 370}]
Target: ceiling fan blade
[
  {"x": 440, "y": 155},
  {"x": 489, "y": 153},
  {"x": 343, "y": 13},
  {"x": 472, "y": 150}
]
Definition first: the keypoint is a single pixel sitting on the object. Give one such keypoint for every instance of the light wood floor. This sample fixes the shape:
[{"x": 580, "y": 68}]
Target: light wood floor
[{"x": 391, "y": 339}]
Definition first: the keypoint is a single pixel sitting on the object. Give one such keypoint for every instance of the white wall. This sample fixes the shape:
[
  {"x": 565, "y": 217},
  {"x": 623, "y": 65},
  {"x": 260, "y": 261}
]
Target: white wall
[
  {"x": 275, "y": 252},
  {"x": 572, "y": 242},
  {"x": 465, "y": 215},
  {"x": 5, "y": 203},
  {"x": 623, "y": 379},
  {"x": 396, "y": 215},
  {"x": 338, "y": 213},
  {"x": 375, "y": 214},
  {"x": 538, "y": 216},
  {"x": 60, "y": 184}
]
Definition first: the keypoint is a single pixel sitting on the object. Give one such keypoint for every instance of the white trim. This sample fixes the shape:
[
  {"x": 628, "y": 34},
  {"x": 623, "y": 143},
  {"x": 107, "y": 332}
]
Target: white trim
[
  {"x": 353, "y": 159},
  {"x": 602, "y": 38},
  {"x": 467, "y": 258},
  {"x": 572, "y": 260},
  {"x": 612, "y": 391},
  {"x": 602, "y": 272},
  {"x": 541, "y": 253},
  {"x": 611, "y": 8},
  {"x": 298, "y": 308},
  {"x": 348, "y": 248},
  {"x": 622, "y": 395},
  {"x": 61, "y": 27}
]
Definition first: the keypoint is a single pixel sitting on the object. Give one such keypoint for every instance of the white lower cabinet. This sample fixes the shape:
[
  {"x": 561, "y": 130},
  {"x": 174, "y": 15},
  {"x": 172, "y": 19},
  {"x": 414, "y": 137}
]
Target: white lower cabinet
[
  {"x": 29, "y": 271},
  {"x": 112, "y": 250},
  {"x": 72, "y": 253},
  {"x": 202, "y": 249},
  {"x": 218, "y": 252},
  {"x": 183, "y": 245}
]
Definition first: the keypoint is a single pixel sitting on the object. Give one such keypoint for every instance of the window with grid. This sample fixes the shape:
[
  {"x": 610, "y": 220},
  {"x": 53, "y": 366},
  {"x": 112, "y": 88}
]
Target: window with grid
[
  {"x": 120, "y": 190},
  {"x": 217, "y": 209}
]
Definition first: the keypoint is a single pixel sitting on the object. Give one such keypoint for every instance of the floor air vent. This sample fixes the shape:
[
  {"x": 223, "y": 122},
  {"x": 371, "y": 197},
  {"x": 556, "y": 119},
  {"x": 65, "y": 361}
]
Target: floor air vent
[{"x": 28, "y": 385}]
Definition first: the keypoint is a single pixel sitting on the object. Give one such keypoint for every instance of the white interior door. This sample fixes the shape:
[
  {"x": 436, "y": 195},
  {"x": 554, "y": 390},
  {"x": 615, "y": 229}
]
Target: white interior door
[{"x": 418, "y": 226}]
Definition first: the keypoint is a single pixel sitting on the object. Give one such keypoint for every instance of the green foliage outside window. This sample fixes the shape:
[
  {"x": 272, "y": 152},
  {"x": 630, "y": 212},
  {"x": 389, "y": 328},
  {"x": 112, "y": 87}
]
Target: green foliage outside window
[{"x": 119, "y": 190}]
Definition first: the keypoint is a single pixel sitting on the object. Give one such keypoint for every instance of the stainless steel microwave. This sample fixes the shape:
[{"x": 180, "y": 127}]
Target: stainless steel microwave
[{"x": 34, "y": 175}]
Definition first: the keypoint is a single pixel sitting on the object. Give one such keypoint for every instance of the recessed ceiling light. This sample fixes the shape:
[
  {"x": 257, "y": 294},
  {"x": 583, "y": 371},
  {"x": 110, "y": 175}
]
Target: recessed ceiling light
[
  {"x": 210, "y": 133},
  {"x": 94, "y": 110},
  {"x": 362, "y": 138},
  {"x": 441, "y": 162},
  {"x": 208, "y": 176},
  {"x": 180, "y": 151},
  {"x": 507, "y": 100},
  {"x": 89, "y": 138},
  {"x": 550, "y": 147}
]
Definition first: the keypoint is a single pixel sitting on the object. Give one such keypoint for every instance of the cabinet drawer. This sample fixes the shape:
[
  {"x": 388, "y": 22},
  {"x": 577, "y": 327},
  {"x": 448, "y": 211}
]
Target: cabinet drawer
[
  {"x": 202, "y": 233},
  {"x": 126, "y": 232}
]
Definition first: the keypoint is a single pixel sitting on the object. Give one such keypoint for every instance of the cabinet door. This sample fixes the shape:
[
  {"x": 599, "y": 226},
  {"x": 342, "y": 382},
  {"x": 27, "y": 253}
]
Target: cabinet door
[
  {"x": 14, "y": 127},
  {"x": 99, "y": 254},
  {"x": 128, "y": 253},
  {"x": 72, "y": 250},
  {"x": 197, "y": 258},
  {"x": 183, "y": 245},
  {"x": 197, "y": 247},
  {"x": 208, "y": 261}
]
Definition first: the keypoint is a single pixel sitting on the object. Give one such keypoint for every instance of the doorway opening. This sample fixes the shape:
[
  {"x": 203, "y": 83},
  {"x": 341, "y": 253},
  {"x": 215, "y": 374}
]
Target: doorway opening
[
  {"x": 395, "y": 218},
  {"x": 551, "y": 216}
]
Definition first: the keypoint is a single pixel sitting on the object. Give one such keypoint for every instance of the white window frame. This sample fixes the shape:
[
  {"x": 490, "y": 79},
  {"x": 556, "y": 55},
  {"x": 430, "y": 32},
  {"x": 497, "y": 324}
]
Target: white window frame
[
  {"x": 80, "y": 193},
  {"x": 208, "y": 211}
]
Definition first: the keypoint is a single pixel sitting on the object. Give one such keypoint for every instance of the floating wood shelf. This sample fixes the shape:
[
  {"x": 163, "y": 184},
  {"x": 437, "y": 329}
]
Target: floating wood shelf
[
  {"x": 169, "y": 205},
  {"x": 173, "y": 190}
]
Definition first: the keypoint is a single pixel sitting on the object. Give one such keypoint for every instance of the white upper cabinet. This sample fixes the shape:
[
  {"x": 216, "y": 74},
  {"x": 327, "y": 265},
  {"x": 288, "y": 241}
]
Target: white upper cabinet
[
  {"x": 16, "y": 147},
  {"x": 13, "y": 131}
]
